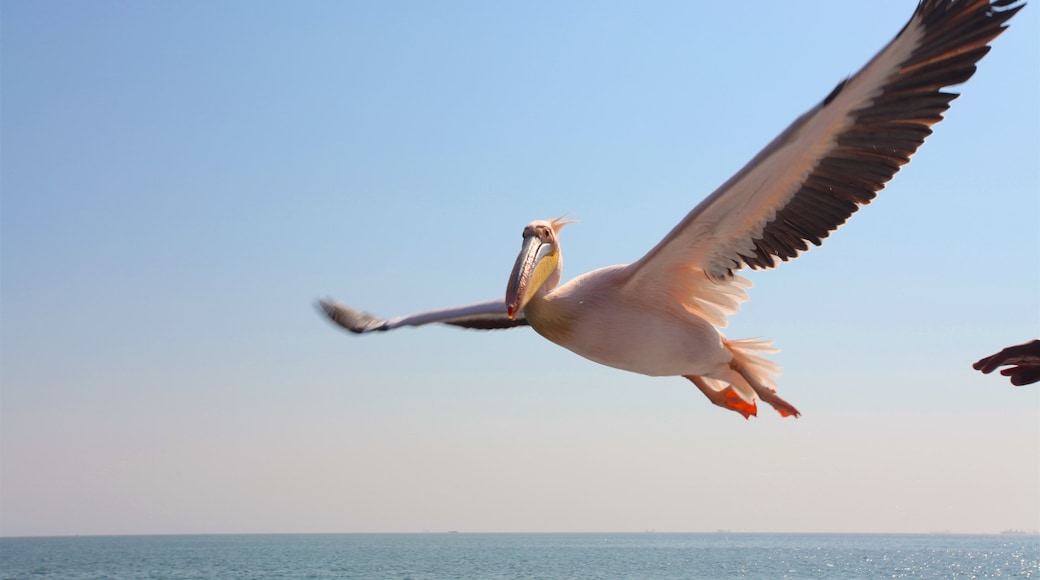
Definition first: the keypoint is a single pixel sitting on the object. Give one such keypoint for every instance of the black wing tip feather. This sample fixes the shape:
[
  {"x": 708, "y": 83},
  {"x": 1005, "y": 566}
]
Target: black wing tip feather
[
  {"x": 889, "y": 131},
  {"x": 835, "y": 92},
  {"x": 353, "y": 320}
]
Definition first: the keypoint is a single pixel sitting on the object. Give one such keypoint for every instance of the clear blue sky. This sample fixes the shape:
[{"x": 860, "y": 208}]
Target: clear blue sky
[{"x": 181, "y": 180}]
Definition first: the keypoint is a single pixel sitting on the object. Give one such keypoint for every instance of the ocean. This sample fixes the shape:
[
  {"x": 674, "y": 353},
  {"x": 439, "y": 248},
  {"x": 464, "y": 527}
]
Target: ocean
[{"x": 543, "y": 556}]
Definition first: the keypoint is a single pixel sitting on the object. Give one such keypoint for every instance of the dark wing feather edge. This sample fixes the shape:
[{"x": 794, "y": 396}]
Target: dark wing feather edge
[
  {"x": 476, "y": 323},
  {"x": 885, "y": 134}
]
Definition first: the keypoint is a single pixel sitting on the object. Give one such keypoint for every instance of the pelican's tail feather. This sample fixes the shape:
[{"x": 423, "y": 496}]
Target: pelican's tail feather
[{"x": 759, "y": 371}]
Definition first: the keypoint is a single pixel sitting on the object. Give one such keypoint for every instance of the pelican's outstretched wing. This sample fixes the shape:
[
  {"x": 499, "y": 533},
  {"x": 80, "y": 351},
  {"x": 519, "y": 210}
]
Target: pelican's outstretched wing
[
  {"x": 484, "y": 316},
  {"x": 835, "y": 157}
]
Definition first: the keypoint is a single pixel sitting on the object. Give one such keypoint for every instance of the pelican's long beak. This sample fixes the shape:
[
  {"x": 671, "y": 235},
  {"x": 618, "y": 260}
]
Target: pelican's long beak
[{"x": 529, "y": 272}]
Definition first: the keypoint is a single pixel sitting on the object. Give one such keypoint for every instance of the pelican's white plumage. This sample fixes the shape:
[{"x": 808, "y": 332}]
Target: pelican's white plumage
[{"x": 660, "y": 315}]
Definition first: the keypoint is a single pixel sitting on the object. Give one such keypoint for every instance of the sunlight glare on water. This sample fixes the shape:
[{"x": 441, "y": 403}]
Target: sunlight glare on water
[{"x": 428, "y": 556}]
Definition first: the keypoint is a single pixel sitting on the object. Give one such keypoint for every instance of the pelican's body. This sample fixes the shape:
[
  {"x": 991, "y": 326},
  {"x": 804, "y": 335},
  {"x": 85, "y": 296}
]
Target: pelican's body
[
  {"x": 660, "y": 316},
  {"x": 594, "y": 316}
]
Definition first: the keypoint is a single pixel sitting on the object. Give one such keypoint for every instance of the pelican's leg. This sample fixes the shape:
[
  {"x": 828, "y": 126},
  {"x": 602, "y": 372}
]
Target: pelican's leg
[
  {"x": 727, "y": 398},
  {"x": 765, "y": 393}
]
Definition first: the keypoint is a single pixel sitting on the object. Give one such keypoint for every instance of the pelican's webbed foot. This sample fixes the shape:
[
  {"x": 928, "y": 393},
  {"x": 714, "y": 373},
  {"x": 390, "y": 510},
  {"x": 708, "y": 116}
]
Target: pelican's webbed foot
[{"x": 727, "y": 398}]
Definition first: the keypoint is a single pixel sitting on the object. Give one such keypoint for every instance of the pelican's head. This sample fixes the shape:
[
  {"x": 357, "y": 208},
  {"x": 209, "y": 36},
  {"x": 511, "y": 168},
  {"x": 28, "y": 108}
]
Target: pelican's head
[{"x": 539, "y": 265}]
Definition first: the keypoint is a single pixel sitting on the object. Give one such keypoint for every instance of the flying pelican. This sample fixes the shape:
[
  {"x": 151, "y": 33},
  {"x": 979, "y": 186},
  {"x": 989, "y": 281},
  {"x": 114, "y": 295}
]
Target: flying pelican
[{"x": 660, "y": 315}]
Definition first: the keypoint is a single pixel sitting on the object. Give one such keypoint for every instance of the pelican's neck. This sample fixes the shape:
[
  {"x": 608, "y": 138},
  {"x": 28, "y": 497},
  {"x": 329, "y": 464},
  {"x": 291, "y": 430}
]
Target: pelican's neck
[
  {"x": 554, "y": 278},
  {"x": 549, "y": 317}
]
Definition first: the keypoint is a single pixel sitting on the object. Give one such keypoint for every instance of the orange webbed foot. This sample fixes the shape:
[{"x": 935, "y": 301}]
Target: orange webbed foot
[
  {"x": 731, "y": 400},
  {"x": 783, "y": 407},
  {"x": 727, "y": 398}
]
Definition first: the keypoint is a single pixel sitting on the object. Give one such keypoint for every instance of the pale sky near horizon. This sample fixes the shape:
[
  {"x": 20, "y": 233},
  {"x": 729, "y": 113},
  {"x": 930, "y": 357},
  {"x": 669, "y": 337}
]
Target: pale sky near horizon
[{"x": 181, "y": 181}]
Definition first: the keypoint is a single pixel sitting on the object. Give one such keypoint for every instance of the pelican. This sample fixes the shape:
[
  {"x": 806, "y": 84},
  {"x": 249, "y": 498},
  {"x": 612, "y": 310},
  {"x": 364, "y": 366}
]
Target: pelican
[{"x": 661, "y": 315}]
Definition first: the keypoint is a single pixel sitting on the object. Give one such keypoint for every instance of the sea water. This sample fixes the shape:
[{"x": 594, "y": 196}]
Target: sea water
[{"x": 546, "y": 556}]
